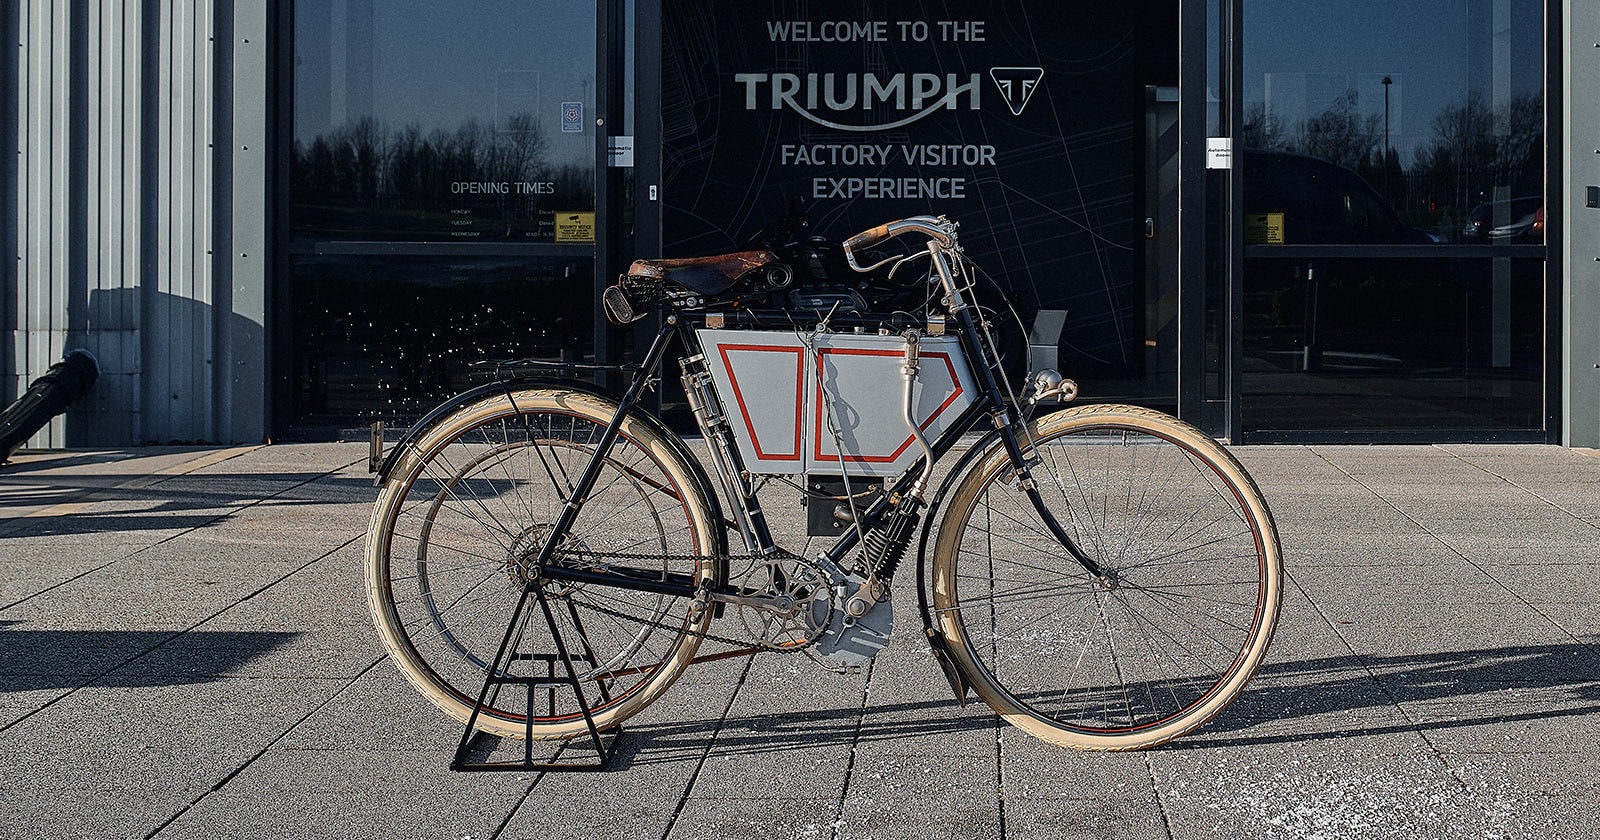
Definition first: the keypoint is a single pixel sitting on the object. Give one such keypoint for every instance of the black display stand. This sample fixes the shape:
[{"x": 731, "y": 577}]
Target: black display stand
[{"x": 500, "y": 675}]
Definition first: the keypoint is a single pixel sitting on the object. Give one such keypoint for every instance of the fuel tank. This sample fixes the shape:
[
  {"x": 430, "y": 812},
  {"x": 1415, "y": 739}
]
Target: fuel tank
[{"x": 806, "y": 403}]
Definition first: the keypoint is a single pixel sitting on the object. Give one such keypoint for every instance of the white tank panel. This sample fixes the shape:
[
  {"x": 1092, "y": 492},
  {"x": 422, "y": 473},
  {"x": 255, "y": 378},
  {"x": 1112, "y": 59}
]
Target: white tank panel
[{"x": 780, "y": 408}]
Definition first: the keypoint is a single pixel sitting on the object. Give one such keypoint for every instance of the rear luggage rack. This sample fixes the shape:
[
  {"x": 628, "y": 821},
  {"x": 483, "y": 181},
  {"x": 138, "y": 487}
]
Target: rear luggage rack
[{"x": 549, "y": 364}]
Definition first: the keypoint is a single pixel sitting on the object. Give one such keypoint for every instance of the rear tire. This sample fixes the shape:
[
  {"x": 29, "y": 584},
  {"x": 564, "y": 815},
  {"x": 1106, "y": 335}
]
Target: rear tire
[{"x": 463, "y": 513}]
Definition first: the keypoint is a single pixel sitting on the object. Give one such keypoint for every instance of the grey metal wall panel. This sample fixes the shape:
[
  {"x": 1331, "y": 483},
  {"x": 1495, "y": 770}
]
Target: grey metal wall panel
[
  {"x": 43, "y": 90},
  {"x": 121, "y": 242},
  {"x": 10, "y": 96},
  {"x": 242, "y": 201},
  {"x": 108, "y": 325},
  {"x": 178, "y": 346},
  {"x": 1580, "y": 136}
]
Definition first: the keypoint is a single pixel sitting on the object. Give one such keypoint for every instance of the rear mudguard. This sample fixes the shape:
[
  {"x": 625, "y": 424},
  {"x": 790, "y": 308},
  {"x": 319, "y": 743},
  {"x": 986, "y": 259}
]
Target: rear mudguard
[
  {"x": 697, "y": 472},
  {"x": 443, "y": 409}
]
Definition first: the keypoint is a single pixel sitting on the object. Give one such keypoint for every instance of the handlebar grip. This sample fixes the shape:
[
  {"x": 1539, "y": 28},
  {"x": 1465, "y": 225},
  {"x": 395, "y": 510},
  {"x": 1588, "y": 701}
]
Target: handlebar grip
[{"x": 867, "y": 238}]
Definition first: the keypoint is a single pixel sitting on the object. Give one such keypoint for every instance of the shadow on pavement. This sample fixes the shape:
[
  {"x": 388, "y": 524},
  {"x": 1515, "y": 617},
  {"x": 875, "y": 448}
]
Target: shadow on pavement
[
  {"x": 1564, "y": 680},
  {"x": 184, "y": 502},
  {"x": 58, "y": 460},
  {"x": 32, "y": 660}
]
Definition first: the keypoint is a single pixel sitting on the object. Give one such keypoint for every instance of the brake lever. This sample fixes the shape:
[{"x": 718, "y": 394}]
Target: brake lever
[
  {"x": 902, "y": 261},
  {"x": 850, "y": 258}
]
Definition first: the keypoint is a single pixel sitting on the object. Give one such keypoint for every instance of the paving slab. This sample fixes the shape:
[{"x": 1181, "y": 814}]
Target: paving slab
[
  {"x": 755, "y": 816},
  {"x": 1117, "y": 817},
  {"x": 373, "y": 811},
  {"x": 186, "y": 651},
  {"x": 127, "y": 814},
  {"x": 1336, "y": 791}
]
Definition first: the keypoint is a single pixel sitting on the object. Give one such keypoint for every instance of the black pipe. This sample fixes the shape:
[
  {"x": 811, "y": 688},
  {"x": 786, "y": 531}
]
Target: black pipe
[{"x": 49, "y": 395}]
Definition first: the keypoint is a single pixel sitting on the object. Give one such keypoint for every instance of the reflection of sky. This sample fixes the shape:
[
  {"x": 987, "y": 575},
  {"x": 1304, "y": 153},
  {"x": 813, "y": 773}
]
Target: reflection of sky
[
  {"x": 437, "y": 65},
  {"x": 1301, "y": 55}
]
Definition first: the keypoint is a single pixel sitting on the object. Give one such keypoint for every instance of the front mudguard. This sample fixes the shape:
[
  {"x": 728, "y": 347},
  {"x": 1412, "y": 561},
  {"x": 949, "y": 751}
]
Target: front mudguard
[{"x": 975, "y": 454}]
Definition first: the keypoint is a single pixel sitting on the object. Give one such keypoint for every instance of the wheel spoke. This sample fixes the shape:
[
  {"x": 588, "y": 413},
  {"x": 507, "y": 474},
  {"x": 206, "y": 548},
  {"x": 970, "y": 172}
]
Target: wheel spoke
[
  {"x": 1182, "y": 617},
  {"x": 458, "y": 533}
]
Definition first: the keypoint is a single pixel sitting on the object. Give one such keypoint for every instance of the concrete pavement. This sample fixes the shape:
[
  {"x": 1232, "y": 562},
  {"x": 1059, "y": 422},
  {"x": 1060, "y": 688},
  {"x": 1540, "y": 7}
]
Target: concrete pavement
[{"x": 185, "y": 652}]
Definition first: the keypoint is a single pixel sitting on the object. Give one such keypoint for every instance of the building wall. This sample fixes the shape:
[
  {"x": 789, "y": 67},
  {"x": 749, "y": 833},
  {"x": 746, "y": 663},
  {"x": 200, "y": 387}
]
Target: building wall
[
  {"x": 124, "y": 211},
  {"x": 179, "y": 292},
  {"x": 103, "y": 313},
  {"x": 1580, "y": 251},
  {"x": 136, "y": 215},
  {"x": 37, "y": 303}
]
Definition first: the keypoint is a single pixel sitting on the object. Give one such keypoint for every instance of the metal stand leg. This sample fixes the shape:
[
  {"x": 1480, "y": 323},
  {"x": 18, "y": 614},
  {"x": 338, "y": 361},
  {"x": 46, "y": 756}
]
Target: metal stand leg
[{"x": 605, "y": 747}]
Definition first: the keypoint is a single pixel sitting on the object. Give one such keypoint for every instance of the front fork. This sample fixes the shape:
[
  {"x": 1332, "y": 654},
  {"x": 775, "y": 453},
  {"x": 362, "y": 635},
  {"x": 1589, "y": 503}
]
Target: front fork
[
  {"x": 1020, "y": 465},
  {"x": 955, "y": 301},
  {"x": 1008, "y": 427},
  {"x": 1030, "y": 488}
]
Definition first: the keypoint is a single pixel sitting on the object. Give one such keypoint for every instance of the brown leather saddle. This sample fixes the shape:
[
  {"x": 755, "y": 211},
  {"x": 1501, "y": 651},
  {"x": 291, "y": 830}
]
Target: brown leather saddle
[{"x": 703, "y": 275}]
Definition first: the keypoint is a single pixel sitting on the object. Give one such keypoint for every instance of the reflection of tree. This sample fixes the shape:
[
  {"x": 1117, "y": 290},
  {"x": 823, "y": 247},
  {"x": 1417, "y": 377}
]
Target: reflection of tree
[
  {"x": 404, "y": 173},
  {"x": 1473, "y": 149},
  {"x": 1262, "y": 128},
  {"x": 1341, "y": 135}
]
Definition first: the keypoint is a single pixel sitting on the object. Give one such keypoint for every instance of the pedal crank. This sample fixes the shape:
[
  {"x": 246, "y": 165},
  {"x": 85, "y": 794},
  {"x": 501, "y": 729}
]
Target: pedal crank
[{"x": 785, "y": 603}]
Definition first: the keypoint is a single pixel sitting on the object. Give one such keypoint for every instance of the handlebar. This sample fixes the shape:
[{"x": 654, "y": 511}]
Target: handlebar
[{"x": 937, "y": 228}]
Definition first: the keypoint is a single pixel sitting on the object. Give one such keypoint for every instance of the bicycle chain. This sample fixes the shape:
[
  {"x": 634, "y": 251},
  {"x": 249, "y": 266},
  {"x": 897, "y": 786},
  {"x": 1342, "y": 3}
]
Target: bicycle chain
[
  {"x": 691, "y": 558},
  {"x": 727, "y": 640}
]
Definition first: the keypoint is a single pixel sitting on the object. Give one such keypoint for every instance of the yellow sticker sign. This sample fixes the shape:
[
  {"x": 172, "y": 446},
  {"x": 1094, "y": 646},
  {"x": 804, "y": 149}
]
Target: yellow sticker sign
[
  {"x": 1263, "y": 228},
  {"x": 574, "y": 227}
]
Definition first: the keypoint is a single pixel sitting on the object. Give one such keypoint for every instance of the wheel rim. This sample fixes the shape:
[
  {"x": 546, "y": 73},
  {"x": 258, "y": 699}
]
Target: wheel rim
[{"x": 1181, "y": 628}]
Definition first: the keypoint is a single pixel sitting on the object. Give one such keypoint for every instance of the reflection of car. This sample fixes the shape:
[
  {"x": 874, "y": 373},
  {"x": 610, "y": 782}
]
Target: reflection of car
[
  {"x": 1321, "y": 203},
  {"x": 1522, "y": 221}
]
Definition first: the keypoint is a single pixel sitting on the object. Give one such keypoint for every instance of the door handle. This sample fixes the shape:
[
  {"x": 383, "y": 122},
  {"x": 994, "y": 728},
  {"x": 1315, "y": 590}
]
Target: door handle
[{"x": 1149, "y": 227}]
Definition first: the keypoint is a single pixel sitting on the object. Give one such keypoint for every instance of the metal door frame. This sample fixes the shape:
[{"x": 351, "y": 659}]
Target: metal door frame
[
  {"x": 1195, "y": 55},
  {"x": 1229, "y": 57}
]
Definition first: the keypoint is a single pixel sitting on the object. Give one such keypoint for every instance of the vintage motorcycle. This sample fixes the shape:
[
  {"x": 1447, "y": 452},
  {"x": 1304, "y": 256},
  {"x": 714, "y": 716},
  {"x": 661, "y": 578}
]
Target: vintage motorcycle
[{"x": 1105, "y": 577}]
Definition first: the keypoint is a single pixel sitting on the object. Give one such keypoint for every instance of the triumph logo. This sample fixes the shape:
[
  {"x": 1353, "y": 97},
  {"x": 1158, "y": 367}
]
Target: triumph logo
[
  {"x": 1017, "y": 85},
  {"x": 828, "y": 98}
]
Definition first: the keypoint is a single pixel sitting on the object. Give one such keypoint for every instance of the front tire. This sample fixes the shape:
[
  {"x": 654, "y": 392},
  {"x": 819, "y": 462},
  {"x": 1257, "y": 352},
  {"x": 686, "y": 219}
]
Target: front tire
[{"x": 1195, "y": 578}]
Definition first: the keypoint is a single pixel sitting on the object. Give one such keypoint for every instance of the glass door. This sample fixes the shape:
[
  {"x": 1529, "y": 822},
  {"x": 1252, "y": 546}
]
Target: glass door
[
  {"x": 444, "y": 199},
  {"x": 1392, "y": 157}
]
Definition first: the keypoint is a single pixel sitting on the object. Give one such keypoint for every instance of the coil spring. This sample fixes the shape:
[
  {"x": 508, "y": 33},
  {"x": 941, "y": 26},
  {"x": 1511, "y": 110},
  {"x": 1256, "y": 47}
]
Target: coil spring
[{"x": 885, "y": 546}]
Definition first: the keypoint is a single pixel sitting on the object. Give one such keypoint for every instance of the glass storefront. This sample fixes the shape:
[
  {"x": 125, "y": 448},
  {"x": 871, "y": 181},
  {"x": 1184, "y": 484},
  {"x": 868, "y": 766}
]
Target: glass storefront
[
  {"x": 1393, "y": 218},
  {"x": 384, "y": 337},
  {"x": 1371, "y": 257},
  {"x": 441, "y": 190},
  {"x": 452, "y": 122},
  {"x": 1365, "y": 343}
]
